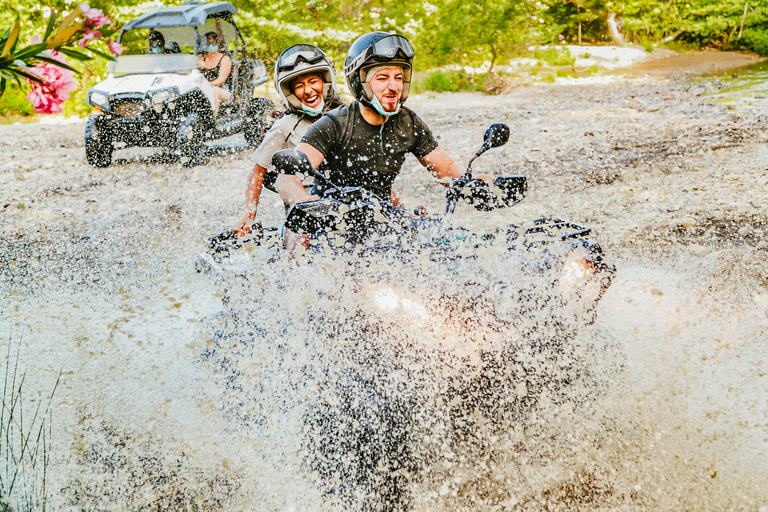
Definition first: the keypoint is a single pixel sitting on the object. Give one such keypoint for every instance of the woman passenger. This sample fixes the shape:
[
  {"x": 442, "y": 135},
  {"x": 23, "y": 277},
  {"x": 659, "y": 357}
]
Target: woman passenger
[
  {"x": 305, "y": 79},
  {"x": 216, "y": 67}
]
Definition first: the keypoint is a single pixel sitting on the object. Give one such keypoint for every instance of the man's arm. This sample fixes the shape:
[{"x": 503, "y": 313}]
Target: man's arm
[
  {"x": 439, "y": 163},
  {"x": 289, "y": 187}
]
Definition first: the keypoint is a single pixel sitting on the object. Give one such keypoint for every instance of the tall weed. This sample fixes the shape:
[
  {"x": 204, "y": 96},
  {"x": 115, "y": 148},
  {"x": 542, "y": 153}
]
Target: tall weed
[{"x": 25, "y": 442}]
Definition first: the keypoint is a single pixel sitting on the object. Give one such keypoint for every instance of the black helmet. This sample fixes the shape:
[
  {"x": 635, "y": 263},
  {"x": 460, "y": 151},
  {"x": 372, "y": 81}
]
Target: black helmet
[
  {"x": 373, "y": 49},
  {"x": 298, "y": 60}
]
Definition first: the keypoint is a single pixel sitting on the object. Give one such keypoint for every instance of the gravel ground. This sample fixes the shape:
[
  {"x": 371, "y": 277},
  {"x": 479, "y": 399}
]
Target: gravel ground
[
  {"x": 673, "y": 186},
  {"x": 649, "y": 163}
]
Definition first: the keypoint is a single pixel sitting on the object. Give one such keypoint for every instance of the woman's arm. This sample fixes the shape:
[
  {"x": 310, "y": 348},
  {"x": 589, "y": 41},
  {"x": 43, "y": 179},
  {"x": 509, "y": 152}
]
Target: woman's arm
[
  {"x": 252, "y": 193},
  {"x": 289, "y": 187},
  {"x": 224, "y": 70}
]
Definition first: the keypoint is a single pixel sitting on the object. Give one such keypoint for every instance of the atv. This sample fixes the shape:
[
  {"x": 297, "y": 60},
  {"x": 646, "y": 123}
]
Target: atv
[
  {"x": 419, "y": 339},
  {"x": 353, "y": 224},
  {"x": 162, "y": 100}
]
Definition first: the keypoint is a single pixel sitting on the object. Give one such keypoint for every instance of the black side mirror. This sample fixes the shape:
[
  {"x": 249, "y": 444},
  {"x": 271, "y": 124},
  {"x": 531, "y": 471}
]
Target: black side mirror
[{"x": 496, "y": 135}]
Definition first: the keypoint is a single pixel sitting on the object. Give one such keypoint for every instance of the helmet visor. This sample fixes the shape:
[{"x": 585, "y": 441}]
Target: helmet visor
[
  {"x": 300, "y": 52},
  {"x": 390, "y": 45}
]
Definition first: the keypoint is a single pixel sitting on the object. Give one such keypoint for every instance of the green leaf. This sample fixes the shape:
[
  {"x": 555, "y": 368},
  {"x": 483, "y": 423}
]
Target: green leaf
[
  {"x": 57, "y": 63},
  {"x": 101, "y": 54},
  {"x": 75, "y": 54},
  {"x": 49, "y": 27},
  {"x": 12, "y": 37}
]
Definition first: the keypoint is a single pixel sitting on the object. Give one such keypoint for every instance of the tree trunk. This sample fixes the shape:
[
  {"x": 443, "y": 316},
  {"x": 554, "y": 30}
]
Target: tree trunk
[
  {"x": 613, "y": 29},
  {"x": 670, "y": 38}
]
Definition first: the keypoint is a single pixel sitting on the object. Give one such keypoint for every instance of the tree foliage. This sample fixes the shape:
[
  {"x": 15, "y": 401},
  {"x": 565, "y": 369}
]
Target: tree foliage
[{"x": 463, "y": 33}]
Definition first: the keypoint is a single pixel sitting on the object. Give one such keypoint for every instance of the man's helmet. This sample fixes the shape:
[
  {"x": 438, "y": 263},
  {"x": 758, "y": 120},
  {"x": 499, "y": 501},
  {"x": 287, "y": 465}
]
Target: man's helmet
[
  {"x": 375, "y": 49},
  {"x": 301, "y": 59}
]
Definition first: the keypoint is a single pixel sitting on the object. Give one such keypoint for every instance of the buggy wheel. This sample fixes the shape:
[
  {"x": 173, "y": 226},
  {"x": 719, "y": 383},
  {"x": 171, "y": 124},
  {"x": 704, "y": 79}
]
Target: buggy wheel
[
  {"x": 188, "y": 140},
  {"x": 98, "y": 142},
  {"x": 257, "y": 120}
]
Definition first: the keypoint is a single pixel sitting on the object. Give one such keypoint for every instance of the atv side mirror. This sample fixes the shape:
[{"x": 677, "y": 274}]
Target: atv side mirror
[{"x": 496, "y": 135}]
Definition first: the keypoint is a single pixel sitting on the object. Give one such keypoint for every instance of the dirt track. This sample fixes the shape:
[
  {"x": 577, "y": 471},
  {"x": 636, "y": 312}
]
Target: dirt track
[{"x": 649, "y": 164}]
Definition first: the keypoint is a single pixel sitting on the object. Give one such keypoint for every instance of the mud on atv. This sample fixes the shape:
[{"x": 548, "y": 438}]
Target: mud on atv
[{"x": 163, "y": 100}]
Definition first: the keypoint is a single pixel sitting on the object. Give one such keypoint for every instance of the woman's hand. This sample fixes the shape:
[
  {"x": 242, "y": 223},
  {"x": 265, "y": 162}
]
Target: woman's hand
[{"x": 245, "y": 224}]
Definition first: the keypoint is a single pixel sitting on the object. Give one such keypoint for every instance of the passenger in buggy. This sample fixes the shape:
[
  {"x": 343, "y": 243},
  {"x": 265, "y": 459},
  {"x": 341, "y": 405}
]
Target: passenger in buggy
[{"x": 216, "y": 68}]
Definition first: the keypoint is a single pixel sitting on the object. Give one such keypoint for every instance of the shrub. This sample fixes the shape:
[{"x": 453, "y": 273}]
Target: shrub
[
  {"x": 757, "y": 39},
  {"x": 439, "y": 81},
  {"x": 554, "y": 56}
]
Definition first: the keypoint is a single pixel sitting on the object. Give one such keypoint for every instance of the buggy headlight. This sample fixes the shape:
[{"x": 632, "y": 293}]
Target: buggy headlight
[
  {"x": 98, "y": 98},
  {"x": 163, "y": 96}
]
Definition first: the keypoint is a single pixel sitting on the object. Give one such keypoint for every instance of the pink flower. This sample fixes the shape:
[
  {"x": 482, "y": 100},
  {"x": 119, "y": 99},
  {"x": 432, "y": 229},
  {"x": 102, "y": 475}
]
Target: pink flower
[
  {"x": 88, "y": 34},
  {"x": 42, "y": 103},
  {"x": 47, "y": 97},
  {"x": 114, "y": 47},
  {"x": 94, "y": 17}
]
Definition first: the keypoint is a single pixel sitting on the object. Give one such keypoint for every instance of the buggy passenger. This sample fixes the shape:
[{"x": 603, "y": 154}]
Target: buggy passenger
[{"x": 216, "y": 68}]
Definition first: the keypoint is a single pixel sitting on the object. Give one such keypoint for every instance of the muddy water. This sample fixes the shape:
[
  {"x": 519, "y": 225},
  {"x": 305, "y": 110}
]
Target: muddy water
[
  {"x": 745, "y": 89},
  {"x": 157, "y": 407}
]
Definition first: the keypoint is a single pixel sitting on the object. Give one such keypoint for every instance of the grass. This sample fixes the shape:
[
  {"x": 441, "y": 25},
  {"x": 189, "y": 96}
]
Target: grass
[
  {"x": 25, "y": 443},
  {"x": 451, "y": 81}
]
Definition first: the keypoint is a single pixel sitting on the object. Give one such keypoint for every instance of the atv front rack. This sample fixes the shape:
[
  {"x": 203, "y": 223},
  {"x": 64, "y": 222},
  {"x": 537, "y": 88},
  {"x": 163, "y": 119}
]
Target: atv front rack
[{"x": 553, "y": 227}]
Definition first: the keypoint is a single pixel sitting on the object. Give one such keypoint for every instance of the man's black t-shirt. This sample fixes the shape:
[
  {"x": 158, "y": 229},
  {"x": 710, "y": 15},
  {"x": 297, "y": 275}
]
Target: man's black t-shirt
[{"x": 359, "y": 154}]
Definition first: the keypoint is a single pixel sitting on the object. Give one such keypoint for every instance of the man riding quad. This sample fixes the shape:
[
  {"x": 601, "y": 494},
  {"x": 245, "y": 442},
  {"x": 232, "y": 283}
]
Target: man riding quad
[{"x": 364, "y": 143}]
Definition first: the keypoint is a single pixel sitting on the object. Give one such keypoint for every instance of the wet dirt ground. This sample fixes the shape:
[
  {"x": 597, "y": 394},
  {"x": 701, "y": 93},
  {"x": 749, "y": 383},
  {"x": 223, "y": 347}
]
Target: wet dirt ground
[
  {"x": 673, "y": 186},
  {"x": 648, "y": 162}
]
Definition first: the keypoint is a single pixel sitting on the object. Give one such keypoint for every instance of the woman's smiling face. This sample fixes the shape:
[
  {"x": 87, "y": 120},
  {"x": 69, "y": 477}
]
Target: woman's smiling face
[{"x": 309, "y": 89}]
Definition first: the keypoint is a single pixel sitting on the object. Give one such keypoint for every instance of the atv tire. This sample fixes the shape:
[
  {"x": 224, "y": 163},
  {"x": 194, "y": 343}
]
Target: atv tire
[
  {"x": 257, "y": 120},
  {"x": 98, "y": 142},
  {"x": 188, "y": 140}
]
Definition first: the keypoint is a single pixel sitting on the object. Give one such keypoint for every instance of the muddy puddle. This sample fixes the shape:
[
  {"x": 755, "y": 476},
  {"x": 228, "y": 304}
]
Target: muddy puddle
[{"x": 159, "y": 408}]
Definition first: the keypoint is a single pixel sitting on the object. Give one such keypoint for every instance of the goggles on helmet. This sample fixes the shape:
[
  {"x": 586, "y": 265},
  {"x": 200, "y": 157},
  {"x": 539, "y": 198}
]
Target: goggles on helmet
[
  {"x": 386, "y": 47},
  {"x": 300, "y": 52}
]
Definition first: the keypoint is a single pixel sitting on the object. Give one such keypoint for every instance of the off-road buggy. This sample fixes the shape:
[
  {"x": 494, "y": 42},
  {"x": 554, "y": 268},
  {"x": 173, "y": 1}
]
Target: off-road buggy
[{"x": 163, "y": 100}]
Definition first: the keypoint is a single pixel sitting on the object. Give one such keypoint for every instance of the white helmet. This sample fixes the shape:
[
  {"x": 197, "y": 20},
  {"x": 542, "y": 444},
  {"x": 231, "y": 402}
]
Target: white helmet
[{"x": 298, "y": 60}]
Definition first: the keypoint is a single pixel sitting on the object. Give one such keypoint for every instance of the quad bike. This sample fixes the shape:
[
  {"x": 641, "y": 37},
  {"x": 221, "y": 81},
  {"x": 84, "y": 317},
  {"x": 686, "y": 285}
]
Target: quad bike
[
  {"x": 162, "y": 100},
  {"x": 434, "y": 342}
]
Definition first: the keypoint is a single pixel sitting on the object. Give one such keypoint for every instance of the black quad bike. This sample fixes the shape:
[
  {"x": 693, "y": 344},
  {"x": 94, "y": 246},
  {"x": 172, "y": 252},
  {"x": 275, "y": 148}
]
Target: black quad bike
[{"x": 441, "y": 336}]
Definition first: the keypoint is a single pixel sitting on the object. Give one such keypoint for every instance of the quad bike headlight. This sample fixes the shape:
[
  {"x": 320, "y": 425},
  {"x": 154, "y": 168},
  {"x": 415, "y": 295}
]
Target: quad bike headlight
[
  {"x": 388, "y": 300},
  {"x": 582, "y": 279},
  {"x": 98, "y": 99}
]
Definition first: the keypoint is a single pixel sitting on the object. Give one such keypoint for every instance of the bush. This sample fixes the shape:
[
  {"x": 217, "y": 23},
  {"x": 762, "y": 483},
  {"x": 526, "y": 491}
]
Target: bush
[
  {"x": 14, "y": 103},
  {"x": 554, "y": 56},
  {"x": 451, "y": 81},
  {"x": 439, "y": 81},
  {"x": 757, "y": 39}
]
